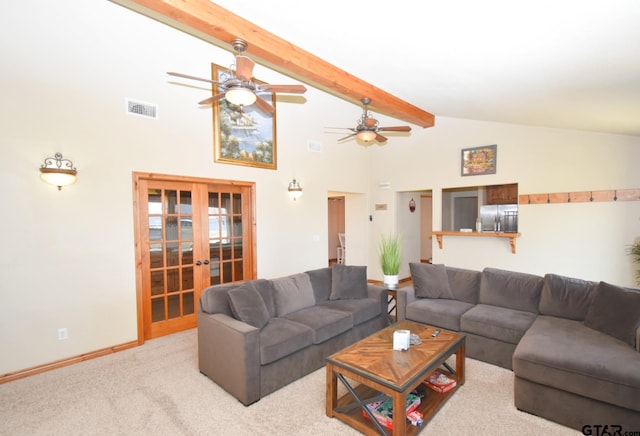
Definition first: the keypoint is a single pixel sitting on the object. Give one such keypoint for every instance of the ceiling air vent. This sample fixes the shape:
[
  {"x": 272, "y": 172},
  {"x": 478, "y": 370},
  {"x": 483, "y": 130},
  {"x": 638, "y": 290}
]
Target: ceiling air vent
[{"x": 142, "y": 109}]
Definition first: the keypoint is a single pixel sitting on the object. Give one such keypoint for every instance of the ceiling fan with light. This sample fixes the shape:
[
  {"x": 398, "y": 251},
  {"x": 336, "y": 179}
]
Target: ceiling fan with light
[
  {"x": 238, "y": 87},
  {"x": 368, "y": 128}
]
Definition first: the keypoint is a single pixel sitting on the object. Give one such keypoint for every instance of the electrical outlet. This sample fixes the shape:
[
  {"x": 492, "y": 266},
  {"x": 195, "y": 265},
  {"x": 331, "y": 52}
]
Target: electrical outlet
[{"x": 63, "y": 334}]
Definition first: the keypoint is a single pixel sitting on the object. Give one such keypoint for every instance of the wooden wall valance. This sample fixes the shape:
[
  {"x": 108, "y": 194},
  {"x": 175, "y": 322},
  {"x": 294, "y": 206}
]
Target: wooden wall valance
[{"x": 581, "y": 197}]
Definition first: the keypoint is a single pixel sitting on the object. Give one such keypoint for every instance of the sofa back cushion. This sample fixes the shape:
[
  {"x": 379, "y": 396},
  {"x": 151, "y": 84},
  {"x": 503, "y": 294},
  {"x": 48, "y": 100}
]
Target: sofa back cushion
[
  {"x": 321, "y": 283},
  {"x": 510, "y": 289},
  {"x": 464, "y": 284},
  {"x": 248, "y": 306},
  {"x": 214, "y": 299},
  {"x": 430, "y": 281},
  {"x": 348, "y": 281},
  {"x": 265, "y": 289},
  {"x": 615, "y": 311},
  {"x": 566, "y": 297},
  {"x": 292, "y": 293}
]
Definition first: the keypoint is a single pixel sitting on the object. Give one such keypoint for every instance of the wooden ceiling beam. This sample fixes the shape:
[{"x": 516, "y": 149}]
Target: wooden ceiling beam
[{"x": 207, "y": 20}]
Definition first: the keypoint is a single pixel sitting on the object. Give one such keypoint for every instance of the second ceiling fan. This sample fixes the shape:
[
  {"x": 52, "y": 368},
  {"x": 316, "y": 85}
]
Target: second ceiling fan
[
  {"x": 368, "y": 128},
  {"x": 239, "y": 88}
]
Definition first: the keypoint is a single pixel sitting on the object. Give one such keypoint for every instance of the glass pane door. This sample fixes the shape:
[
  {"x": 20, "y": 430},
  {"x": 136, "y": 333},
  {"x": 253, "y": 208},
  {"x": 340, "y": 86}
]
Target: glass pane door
[
  {"x": 171, "y": 261},
  {"x": 189, "y": 235},
  {"x": 225, "y": 237}
]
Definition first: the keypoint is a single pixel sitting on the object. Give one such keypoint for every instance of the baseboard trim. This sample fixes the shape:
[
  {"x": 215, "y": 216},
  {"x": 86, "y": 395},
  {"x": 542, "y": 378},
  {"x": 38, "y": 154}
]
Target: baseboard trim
[{"x": 23, "y": 373}]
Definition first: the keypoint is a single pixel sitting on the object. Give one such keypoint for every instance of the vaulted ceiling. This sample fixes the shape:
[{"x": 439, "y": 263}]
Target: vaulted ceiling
[{"x": 566, "y": 64}]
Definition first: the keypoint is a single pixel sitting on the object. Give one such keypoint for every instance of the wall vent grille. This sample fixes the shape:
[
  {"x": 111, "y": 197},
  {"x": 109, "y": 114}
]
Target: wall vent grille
[{"x": 142, "y": 109}]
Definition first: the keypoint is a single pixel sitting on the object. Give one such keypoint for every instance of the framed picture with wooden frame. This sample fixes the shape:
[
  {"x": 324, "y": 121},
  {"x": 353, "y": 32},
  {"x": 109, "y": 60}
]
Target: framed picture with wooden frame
[
  {"x": 243, "y": 135},
  {"x": 477, "y": 161}
]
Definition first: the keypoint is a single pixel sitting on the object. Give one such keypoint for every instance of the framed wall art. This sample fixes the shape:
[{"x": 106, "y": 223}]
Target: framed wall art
[
  {"x": 477, "y": 161},
  {"x": 243, "y": 135}
]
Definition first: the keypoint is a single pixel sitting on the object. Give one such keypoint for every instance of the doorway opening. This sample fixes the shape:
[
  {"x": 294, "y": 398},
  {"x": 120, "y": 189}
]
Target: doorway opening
[
  {"x": 190, "y": 233},
  {"x": 336, "y": 232}
]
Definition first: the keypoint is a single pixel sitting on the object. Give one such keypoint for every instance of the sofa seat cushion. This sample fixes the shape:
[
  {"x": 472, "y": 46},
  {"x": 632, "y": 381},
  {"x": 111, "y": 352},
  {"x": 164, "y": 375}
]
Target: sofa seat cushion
[
  {"x": 506, "y": 325},
  {"x": 325, "y": 323},
  {"x": 361, "y": 310},
  {"x": 437, "y": 312},
  {"x": 567, "y": 355},
  {"x": 281, "y": 337}
]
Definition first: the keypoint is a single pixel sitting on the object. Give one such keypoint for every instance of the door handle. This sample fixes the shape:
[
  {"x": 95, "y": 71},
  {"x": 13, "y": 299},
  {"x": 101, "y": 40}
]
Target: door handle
[
  {"x": 206, "y": 261},
  {"x": 198, "y": 263}
]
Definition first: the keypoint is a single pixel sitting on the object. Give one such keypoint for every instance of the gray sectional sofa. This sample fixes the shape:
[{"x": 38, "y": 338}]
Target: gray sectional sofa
[
  {"x": 256, "y": 336},
  {"x": 573, "y": 345}
]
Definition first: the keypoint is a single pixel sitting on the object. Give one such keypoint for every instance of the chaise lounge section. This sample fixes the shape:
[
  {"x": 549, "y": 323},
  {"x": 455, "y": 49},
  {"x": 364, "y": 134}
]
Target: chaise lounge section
[
  {"x": 257, "y": 336},
  {"x": 573, "y": 345}
]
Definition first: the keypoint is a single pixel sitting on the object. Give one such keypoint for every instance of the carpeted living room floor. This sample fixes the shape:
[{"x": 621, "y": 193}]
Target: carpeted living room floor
[{"x": 156, "y": 389}]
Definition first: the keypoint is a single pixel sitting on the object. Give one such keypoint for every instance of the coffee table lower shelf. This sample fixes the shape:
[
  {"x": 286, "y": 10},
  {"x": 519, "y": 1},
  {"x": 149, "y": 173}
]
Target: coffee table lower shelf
[{"x": 353, "y": 417}]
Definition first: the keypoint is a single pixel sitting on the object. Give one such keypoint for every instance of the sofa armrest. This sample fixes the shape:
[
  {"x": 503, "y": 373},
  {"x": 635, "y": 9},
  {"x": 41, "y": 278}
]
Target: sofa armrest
[
  {"x": 378, "y": 293},
  {"x": 229, "y": 354},
  {"x": 404, "y": 296}
]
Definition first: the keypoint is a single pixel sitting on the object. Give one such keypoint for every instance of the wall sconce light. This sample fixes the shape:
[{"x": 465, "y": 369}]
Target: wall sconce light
[
  {"x": 58, "y": 171},
  {"x": 295, "y": 190}
]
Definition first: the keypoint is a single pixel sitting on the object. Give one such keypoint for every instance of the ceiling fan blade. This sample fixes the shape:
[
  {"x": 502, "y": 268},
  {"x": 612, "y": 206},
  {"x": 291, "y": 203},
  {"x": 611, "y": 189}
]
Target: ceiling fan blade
[
  {"x": 380, "y": 138},
  {"x": 395, "y": 129},
  {"x": 263, "y": 105},
  {"x": 347, "y": 137},
  {"x": 212, "y": 99},
  {"x": 343, "y": 128},
  {"x": 287, "y": 89},
  {"x": 186, "y": 76},
  {"x": 244, "y": 67}
]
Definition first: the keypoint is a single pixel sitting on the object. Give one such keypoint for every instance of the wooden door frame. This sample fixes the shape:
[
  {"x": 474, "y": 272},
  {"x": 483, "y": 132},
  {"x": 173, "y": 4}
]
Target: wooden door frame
[{"x": 137, "y": 177}]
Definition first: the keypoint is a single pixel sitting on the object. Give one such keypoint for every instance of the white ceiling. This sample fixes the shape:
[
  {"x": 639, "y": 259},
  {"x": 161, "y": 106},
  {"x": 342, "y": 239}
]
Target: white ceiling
[{"x": 558, "y": 63}]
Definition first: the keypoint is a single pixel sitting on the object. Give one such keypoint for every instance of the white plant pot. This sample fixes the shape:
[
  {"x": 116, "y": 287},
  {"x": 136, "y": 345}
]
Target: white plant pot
[{"x": 391, "y": 282}]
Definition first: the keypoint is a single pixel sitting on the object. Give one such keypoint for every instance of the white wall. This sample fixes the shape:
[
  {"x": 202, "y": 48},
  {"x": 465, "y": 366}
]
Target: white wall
[
  {"x": 585, "y": 240},
  {"x": 68, "y": 257}
]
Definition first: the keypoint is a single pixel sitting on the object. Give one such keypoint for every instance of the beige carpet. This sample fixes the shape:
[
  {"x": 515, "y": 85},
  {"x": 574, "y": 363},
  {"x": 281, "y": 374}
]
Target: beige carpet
[{"x": 157, "y": 389}]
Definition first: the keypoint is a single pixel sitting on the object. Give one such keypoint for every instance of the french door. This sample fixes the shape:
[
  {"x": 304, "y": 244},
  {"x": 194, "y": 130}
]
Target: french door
[{"x": 190, "y": 234}]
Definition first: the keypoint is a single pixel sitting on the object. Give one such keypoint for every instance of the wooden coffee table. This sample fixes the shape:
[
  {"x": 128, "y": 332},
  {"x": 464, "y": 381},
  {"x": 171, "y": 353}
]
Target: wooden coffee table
[{"x": 378, "y": 368}]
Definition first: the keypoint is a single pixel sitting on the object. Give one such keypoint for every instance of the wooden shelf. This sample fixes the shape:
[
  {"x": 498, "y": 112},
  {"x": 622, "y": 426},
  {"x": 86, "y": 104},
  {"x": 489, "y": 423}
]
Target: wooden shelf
[
  {"x": 353, "y": 416},
  {"x": 511, "y": 236}
]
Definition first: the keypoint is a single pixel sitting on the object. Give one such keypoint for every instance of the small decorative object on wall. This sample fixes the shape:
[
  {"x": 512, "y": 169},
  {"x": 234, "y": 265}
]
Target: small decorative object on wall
[
  {"x": 242, "y": 135},
  {"x": 479, "y": 160},
  {"x": 412, "y": 206}
]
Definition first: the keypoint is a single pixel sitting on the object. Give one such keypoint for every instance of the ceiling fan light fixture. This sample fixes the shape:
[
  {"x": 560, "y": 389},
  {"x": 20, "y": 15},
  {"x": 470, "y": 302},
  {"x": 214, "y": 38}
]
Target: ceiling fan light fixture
[
  {"x": 366, "y": 135},
  {"x": 240, "y": 96}
]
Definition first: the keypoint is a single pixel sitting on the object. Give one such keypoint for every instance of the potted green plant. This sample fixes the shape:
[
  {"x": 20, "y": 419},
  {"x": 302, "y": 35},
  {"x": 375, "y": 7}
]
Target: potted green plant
[
  {"x": 390, "y": 259},
  {"x": 634, "y": 251}
]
